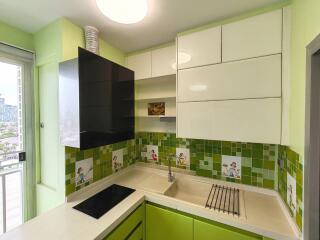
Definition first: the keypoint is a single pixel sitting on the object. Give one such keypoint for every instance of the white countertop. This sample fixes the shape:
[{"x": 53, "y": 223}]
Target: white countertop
[{"x": 265, "y": 213}]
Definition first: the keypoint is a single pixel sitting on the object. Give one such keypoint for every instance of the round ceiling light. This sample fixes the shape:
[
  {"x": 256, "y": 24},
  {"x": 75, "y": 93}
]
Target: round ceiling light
[{"x": 124, "y": 11}]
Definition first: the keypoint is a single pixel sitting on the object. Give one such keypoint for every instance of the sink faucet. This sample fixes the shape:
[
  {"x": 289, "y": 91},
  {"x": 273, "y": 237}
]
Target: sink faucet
[{"x": 170, "y": 174}]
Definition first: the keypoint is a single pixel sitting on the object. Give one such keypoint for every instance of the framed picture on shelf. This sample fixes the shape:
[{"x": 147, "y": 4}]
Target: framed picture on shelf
[{"x": 156, "y": 108}]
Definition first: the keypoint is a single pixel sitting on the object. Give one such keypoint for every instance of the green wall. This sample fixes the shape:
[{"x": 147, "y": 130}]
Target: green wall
[
  {"x": 55, "y": 43},
  {"x": 73, "y": 36},
  {"x": 50, "y": 161},
  {"x": 305, "y": 27},
  {"x": 16, "y": 37}
]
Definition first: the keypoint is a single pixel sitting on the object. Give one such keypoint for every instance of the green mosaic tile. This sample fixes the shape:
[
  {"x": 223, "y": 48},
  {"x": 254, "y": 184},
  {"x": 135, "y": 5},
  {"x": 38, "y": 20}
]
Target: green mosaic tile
[
  {"x": 257, "y": 150},
  {"x": 258, "y": 161},
  {"x": 204, "y": 173},
  {"x": 299, "y": 192},
  {"x": 268, "y": 183},
  {"x": 293, "y": 166},
  {"x": 246, "y": 162},
  {"x": 299, "y": 176},
  {"x": 217, "y": 166},
  {"x": 246, "y": 180},
  {"x": 226, "y": 148},
  {"x": 299, "y": 221},
  {"x": 268, "y": 165},
  {"x": 70, "y": 168},
  {"x": 246, "y": 152},
  {"x": 246, "y": 171},
  {"x": 102, "y": 165},
  {"x": 79, "y": 155},
  {"x": 216, "y": 158}
]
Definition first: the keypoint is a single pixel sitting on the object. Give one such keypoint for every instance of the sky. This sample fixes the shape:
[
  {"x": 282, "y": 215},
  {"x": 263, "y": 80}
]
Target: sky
[{"x": 9, "y": 83}]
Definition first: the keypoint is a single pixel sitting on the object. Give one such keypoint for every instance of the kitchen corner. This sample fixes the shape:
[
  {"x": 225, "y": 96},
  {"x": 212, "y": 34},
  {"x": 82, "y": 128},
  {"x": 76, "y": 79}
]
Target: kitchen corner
[
  {"x": 264, "y": 213},
  {"x": 159, "y": 119}
]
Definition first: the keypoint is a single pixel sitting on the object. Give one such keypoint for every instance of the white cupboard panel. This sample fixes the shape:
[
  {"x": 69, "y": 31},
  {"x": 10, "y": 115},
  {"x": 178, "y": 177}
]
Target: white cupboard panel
[
  {"x": 199, "y": 48},
  {"x": 163, "y": 61},
  {"x": 253, "y": 78},
  {"x": 256, "y": 36},
  {"x": 140, "y": 64},
  {"x": 286, "y": 56},
  {"x": 250, "y": 120}
]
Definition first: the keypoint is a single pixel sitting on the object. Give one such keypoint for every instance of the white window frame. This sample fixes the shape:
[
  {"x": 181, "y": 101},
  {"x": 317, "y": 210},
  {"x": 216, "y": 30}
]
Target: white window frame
[{"x": 25, "y": 59}]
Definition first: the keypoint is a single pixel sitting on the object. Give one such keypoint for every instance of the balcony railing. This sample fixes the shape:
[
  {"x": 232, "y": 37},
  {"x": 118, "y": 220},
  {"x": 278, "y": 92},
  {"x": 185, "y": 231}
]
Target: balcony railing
[{"x": 11, "y": 196}]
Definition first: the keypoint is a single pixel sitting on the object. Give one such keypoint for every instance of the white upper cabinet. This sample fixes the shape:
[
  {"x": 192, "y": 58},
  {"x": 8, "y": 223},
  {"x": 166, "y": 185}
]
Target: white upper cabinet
[
  {"x": 140, "y": 64},
  {"x": 199, "y": 48},
  {"x": 156, "y": 63},
  {"x": 252, "y": 37},
  {"x": 250, "y": 120},
  {"x": 286, "y": 75},
  {"x": 163, "y": 61},
  {"x": 253, "y": 78}
]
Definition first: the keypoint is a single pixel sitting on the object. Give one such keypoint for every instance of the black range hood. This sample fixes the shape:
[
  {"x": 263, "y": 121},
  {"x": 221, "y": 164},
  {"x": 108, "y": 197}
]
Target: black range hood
[{"x": 96, "y": 101}]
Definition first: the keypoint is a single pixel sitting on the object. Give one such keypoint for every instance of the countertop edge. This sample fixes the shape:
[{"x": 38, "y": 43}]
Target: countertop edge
[{"x": 125, "y": 209}]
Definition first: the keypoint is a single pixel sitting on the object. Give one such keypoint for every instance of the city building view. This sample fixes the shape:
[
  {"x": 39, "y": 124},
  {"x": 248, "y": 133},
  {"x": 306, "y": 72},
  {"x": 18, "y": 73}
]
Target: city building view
[
  {"x": 8, "y": 127},
  {"x": 10, "y": 122}
]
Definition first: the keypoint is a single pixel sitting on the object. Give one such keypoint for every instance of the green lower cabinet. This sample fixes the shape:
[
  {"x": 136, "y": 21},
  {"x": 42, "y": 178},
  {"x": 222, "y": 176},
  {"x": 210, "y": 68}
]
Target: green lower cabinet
[
  {"x": 167, "y": 224},
  {"x": 137, "y": 234},
  {"x": 163, "y": 224},
  {"x": 212, "y": 231},
  {"x": 131, "y": 228},
  {"x": 153, "y": 222}
]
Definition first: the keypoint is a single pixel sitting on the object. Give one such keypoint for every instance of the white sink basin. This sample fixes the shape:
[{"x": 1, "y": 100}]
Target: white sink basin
[
  {"x": 190, "y": 191},
  {"x": 197, "y": 192}
]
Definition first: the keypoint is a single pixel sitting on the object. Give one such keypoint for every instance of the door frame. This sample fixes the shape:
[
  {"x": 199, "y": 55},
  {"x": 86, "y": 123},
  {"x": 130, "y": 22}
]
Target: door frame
[
  {"x": 312, "y": 142},
  {"x": 26, "y": 58}
]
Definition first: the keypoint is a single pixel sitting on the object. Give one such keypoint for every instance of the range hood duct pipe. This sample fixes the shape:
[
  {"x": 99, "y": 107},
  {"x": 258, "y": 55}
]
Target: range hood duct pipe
[{"x": 92, "y": 39}]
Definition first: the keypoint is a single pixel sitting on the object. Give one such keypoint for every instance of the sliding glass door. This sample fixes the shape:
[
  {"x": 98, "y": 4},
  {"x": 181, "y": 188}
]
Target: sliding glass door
[{"x": 15, "y": 140}]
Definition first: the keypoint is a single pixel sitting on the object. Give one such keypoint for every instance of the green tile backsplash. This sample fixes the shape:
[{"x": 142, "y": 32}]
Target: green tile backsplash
[
  {"x": 292, "y": 164},
  {"x": 258, "y": 161},
  {"x": 102, "y": 161}
]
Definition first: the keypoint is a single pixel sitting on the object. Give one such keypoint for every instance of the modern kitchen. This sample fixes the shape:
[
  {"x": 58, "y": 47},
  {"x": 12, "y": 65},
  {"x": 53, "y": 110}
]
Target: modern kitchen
[{"x": 155, "y": 120}]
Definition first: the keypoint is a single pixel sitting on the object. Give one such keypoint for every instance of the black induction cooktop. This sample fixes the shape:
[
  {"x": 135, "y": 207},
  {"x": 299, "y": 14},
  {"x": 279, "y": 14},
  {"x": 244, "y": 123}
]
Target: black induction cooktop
[{"x": 102, "y": 202}]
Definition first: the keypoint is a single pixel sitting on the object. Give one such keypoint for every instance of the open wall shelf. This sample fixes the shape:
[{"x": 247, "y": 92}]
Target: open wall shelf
[{"x": 154, "y": 90}]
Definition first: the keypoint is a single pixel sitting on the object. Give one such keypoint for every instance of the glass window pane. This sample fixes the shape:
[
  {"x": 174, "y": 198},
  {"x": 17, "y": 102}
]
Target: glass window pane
[
  {"x": 1, "y": 207},
  {"x": 11, "y": 121},
  {"x": 13, "y": 200}
]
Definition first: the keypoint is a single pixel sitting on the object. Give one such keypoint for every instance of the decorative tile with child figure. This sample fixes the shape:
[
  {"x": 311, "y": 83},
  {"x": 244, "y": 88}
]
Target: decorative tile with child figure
[
  {"x": 183, "y": 158},
  {"x": 117, "y": 160},
  {"x": 231, "y": 167},
  {"x": 84, "y": 171}
]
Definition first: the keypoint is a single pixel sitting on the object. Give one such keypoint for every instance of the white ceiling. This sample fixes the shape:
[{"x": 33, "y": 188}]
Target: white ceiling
[{"x": 164, "y": 20}]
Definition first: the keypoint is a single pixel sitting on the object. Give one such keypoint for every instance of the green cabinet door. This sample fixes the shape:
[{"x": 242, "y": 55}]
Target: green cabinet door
[
  {"x": 137, "y": 234},
  {"x": 211, "y": 231},
  {"x": 162, "y": 224},
  {"x": 129, "y": 226}
]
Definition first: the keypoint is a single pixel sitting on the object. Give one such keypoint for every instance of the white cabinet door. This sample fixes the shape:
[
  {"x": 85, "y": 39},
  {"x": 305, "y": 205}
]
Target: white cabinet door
[
  {"x": 252, "y": 37},
  {"x": 253, "y": 78},
  {"x": 286, "y": 56},
  {"x": 250, "y": 120},
  {"x": 140, "y": 64},
  {"x": 199, "y": 48},
  {"x": 163, "y": 61}
]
